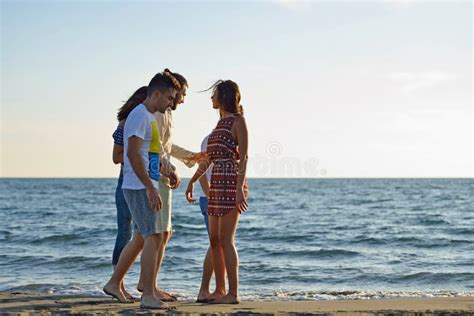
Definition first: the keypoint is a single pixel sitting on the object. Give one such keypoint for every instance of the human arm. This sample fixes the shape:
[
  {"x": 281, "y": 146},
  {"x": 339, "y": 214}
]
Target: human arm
[
  {"x": 204, "y": 185},
  {"x": 169, "y": 170},
  {"x": 117, "y": 152},
  {"x": 135, "y": 143},
  {"x": 203, "y": 166},
  {"x": 241, "y": 135},
  {"x": 183, "y": 155}
]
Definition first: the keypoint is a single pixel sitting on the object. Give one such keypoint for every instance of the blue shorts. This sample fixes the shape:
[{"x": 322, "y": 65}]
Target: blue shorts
[
  {"x": 143, "y": 216},
  {"x": 203, "y": 201}
]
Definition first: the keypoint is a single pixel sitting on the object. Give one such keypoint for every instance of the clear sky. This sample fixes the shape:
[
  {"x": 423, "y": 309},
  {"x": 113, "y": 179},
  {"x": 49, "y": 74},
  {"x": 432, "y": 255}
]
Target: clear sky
[{"x": 330, "y": 89}]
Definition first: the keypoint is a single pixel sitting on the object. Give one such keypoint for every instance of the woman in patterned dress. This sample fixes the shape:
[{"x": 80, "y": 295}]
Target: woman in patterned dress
[{"x": 227, "y": 150}]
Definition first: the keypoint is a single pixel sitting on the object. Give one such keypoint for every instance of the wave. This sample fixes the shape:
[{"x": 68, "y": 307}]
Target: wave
[
  {"x": 70, "y": 288},
  {"x": 265, "y": 294},
  {"x": 368, "y": 240},
  {"x": 462, "y": 231},
  {"x": 373, "y": 201},
  {"x": 426, "y": 243},
  {"x": 5, "y": 235},
  {"x": 56, "y": 238},
  {"x": 319, "y": 254},
  {"x": 436, "y": 277},
  {"x": 432, "y": 222},
  {"x": 361, "y": 294},
  {"x": 9, "y": 208}
]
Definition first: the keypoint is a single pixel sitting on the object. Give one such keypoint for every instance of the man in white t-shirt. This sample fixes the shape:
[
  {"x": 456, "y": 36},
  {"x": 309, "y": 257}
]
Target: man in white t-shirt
[
  {"x": 165, "y": 185},
  {"x": 141, "y": 173}
]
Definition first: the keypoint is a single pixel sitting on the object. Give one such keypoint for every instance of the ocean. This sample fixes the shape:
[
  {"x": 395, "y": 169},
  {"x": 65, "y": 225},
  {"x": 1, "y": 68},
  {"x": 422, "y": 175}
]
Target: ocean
[{"x": 300, "y": 238}]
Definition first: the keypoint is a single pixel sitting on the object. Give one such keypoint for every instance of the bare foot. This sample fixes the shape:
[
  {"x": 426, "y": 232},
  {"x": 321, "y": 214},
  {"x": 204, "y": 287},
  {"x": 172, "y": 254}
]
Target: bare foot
[
  {"x": 162, "y": 295},
  {"x": 228, "y": 299},
  {"x": 165, "y": 296},
  {"x": 127, "y": 295},
  {"x": 115, "y": 292},
  {"x": 140, "y": 287},
  {"x": 152, "y": 302},
  {"x": 130, "y": 297},
  {"x": 216, "y": 295},
  {"x": 203, "y": 297}
]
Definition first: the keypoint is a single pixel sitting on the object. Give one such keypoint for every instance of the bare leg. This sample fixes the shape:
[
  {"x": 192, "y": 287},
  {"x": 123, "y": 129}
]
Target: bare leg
[
  {"x": 128, "y": 296},
  {"x": 127, "y": 257},
  {"x": 217, "y": 257},
  {"x": 148, "y": 267},
  {"x": 161, "y": 254},
  {"x": 227, "y": 229},
  {"x": 207, "y": 270}
]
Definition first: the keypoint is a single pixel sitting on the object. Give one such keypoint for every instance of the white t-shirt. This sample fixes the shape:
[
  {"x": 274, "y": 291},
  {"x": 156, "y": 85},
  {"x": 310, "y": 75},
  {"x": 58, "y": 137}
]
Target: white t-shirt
[{"x": 141, "y": 123}]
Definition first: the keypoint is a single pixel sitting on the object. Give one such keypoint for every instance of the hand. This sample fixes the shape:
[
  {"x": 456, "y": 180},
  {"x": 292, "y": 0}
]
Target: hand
[
  {"x": 154, "y": 199},
  {"x": 189, "y": 193},
  {"x": 240, "y": 201},
  {"x": 175, "y": 181},
  {"x": 198, "y": 156}
]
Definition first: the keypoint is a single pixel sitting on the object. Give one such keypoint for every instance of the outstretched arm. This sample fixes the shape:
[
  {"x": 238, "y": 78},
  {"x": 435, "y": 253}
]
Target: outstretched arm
[{"x": 183, "y": 155}]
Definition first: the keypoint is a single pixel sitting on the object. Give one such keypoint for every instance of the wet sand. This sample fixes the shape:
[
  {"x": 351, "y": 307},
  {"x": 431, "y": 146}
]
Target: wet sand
[{"x": 17, "y": 303}]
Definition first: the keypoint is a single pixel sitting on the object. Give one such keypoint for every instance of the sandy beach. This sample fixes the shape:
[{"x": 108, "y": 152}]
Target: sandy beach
[{"x": 17, "y": 303}]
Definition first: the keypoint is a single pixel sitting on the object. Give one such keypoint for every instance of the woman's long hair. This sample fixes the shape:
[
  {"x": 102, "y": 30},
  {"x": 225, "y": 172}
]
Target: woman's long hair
[
  {"x": 137, "y": 97},
  {"x": 228, "y": 95}
]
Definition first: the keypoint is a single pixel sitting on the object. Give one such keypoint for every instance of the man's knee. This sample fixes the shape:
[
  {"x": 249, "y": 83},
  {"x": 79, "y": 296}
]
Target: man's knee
[
  {"x": 138, "y": 239},
  {"x": 155, "y": 239}
]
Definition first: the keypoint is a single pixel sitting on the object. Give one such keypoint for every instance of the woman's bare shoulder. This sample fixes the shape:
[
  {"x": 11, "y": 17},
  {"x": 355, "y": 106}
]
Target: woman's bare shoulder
[{"x": 240, "y": 120}]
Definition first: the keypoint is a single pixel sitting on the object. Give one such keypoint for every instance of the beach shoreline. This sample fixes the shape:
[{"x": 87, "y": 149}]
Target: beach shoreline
[{"x": 25, "y": 303}]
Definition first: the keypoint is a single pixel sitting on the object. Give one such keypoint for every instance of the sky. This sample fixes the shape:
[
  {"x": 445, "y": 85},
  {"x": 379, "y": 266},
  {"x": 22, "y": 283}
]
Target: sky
[{"x": 330, "y": 89}]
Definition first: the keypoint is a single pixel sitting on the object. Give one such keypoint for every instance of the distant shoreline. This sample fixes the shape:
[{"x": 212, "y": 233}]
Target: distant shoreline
[{"x": 14, "y": 303}]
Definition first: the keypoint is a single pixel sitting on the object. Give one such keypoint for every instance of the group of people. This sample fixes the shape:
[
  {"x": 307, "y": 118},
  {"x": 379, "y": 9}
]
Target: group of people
[{"x": 143, "y": 146}]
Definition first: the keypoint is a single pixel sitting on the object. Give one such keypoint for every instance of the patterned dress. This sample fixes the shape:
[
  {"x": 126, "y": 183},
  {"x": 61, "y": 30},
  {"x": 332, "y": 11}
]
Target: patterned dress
[{"x": 222, "y": 150}]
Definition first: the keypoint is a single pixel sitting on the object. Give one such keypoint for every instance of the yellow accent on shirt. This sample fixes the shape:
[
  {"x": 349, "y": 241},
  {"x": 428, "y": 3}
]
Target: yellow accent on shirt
[{"x": 155, "y": 146}]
